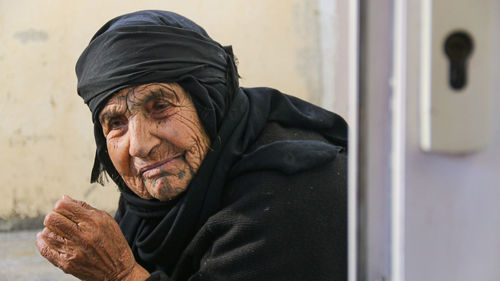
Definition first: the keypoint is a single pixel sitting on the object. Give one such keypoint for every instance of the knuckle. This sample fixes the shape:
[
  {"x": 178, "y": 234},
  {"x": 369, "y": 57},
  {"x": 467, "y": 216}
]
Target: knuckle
[
  {"x": 65, "y": 267},
  {"x": 39, "y": 236},
  {"x": 39, "y": 243},
  {"x": 47, "y": 219},
  {"x": 94, "y": 239},
  {"x": 50, "y": 219},
  {"x": 50, "y": 235},
  {"x": 59, "y": 205},
  {"x": 44, "y": 236},
  {"x": 102, "y": 215},
  {"x": 83, "y": 204},
  {"x": 77, "y": 256},
  {"x": 45, "y": 233},
  {"x": 54, "y": 237},
  {"x": 68, "y": 263},
  {"x": 85, "y": 227},
  {"x": 44, "y": 251}
]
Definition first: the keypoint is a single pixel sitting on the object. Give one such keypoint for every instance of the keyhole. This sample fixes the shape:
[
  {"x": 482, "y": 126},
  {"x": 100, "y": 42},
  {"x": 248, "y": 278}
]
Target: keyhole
[{"x": 458, "y": 47}]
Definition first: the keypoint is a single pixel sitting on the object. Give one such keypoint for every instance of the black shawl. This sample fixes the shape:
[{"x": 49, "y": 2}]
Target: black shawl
[{"x": 157, "y": 46}]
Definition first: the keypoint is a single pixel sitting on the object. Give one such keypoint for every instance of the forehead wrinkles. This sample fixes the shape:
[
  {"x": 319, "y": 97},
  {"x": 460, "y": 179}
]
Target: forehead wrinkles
[{"x": 140, "y": 95}]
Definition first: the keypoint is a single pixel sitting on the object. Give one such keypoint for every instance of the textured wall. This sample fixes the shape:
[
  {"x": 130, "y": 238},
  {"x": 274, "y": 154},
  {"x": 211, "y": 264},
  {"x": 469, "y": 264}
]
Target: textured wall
[{"x": 46, "y": 142}]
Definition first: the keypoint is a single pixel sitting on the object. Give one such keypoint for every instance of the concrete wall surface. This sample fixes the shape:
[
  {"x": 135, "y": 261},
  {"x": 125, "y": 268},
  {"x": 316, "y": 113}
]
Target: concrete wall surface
[{"x": 46, "y": 140}]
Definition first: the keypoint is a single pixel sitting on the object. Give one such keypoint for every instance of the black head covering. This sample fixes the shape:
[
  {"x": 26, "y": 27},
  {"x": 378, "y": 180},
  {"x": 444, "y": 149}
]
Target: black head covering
[{"x": 157, "y": 46}]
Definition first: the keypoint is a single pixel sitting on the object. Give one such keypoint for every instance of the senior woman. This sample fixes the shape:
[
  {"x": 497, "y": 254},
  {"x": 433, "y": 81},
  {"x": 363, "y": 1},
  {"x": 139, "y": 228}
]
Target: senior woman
[{"x": 217, "y": 182}]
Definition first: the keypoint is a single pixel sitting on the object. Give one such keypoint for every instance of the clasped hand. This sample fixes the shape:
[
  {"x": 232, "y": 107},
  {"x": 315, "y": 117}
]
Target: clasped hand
[{"x": 87, "y": 243}]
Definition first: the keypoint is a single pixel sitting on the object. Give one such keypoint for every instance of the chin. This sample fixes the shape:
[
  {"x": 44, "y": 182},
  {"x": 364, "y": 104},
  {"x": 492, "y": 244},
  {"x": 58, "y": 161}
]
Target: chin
[{"x": 164, "y": 191}]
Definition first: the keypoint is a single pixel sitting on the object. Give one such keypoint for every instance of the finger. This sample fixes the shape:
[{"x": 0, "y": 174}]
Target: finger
[
  {"x": 82, "y": 204},
  {"x": 61, "y": 225},
  {"x": 52, "y": 255},
  {"x": 53, "y": 240},
  {"x": 71, "y": 210},
  {"x": 76, "y": 211}
]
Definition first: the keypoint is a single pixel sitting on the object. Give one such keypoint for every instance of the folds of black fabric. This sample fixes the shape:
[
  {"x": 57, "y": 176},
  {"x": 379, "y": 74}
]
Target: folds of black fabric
[
  {"x": 160, "y": 232},
  {"x": 273, "y": 225}
]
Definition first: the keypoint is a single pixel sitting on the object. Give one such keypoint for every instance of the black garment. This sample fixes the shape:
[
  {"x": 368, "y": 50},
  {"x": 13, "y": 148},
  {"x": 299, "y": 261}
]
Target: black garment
[
  {"x": 155, "y": 46},
  {"x": 273, "y": 225}
]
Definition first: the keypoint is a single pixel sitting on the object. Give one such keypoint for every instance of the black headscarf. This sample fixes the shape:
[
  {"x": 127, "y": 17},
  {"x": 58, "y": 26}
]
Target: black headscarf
[{"x": 162, "y": 47}]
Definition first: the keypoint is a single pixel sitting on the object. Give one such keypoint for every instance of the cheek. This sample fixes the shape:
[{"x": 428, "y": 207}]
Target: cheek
[
  {"x": 118, "y": 153},
  {"x": 185, "y": 130},
  {"x": 175, "y": 132}
]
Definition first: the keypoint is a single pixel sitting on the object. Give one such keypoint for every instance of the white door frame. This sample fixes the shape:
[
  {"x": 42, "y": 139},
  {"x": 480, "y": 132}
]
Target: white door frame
[{"x": 377, "y": 140}]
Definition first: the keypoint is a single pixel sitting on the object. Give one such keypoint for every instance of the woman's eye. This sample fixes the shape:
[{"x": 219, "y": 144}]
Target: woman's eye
[
  {"x": 158, "y": 107},
  {"x": 160, "y": 110},
  {"x": 116, "y": 124}
]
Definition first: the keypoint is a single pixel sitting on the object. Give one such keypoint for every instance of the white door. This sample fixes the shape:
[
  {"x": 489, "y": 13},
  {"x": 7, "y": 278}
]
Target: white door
[{"x": 418, "y": 215}]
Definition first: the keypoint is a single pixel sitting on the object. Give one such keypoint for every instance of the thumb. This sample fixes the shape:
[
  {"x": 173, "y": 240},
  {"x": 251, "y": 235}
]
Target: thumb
[
  {"x": 81, "y": 203},
  {"x": 67, "y": 197}
]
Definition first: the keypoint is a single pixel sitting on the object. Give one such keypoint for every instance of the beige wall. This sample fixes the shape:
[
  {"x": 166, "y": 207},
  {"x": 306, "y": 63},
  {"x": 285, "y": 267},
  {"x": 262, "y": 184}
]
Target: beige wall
[{"x": 46, "y": 141}]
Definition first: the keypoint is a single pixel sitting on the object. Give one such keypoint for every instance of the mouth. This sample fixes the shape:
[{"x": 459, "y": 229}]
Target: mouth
[{"x": 157, "y": 168}]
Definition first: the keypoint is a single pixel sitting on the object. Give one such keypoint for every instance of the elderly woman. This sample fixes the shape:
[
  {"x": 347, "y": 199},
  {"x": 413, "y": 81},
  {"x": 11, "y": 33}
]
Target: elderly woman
[{"x": 217, "y": 182}]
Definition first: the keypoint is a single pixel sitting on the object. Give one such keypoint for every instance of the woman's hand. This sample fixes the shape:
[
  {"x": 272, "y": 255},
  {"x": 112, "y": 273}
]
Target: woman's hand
[{"x": 87, "y": 243}]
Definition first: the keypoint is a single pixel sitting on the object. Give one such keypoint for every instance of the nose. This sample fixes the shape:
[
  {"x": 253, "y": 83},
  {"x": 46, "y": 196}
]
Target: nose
[{"x": 142, "y": 140}]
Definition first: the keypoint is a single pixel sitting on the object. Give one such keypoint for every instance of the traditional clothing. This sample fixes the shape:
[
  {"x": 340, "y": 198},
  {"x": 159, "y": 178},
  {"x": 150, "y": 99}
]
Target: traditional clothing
[{"x": 269, "y": 199}]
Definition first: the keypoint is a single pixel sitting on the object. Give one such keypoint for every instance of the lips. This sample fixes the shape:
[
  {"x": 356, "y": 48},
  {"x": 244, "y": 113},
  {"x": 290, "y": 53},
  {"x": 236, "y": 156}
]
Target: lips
[{"x": 154, "y": 169}]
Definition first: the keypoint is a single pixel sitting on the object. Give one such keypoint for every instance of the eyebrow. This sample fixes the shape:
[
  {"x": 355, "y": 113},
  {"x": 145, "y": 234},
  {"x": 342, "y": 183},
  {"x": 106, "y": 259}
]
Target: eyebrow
[
  {"x": 110, "y": 114},
  {"x": 162, "y": 93}
]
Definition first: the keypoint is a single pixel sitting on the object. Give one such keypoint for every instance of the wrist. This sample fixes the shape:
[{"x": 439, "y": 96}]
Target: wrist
[{"x": 138, "y": 273}]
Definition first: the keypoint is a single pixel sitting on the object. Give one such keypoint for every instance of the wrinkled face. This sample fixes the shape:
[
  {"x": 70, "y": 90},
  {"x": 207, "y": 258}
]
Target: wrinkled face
[{"x": 154, "y": 139}]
